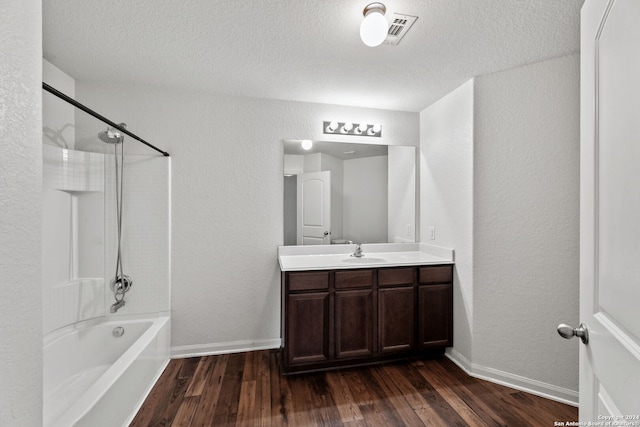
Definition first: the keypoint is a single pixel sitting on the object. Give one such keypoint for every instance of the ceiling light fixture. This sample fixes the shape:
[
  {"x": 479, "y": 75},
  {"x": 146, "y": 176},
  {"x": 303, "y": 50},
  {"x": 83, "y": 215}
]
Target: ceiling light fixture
[
  {"x": 348, "y": 128},
  {"x": 306, "y": 144},
  {"x": 374, "y": 27}
]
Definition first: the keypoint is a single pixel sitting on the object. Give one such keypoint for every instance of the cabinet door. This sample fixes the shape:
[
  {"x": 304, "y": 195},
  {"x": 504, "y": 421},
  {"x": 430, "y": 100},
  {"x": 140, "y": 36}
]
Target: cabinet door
[
  {"x": 307, "y": 333},
  {"x": 435, "y": 307},
  {"x": 396, "y": 318},
  {"x": 354, "y": 323}
]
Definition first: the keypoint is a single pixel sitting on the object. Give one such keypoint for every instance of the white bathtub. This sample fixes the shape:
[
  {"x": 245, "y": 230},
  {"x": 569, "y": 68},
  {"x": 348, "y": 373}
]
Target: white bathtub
[{"x": 93, "y": 378}]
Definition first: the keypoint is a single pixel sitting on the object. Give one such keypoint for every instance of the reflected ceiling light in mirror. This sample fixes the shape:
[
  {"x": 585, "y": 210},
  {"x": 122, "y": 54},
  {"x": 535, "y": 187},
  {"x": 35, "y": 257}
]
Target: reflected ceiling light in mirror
[
  {"x": 374, "y": 27},
  {"x": 348, "y": 128},
  {"x": 306, "y": 144}
]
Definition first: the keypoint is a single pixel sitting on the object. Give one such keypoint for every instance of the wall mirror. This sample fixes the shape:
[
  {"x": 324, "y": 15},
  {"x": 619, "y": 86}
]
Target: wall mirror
[{"x": 337, "y": 192}]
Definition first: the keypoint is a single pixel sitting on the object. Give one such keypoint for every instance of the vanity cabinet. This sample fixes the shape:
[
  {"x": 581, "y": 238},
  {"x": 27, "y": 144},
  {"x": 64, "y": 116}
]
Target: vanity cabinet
[
  {"x": 397, "y": 320},
  {"x": 354, "y": 308},
  {"x": 335, "y": 318},
  {"x": 307, "y": 318},
  {"x": 435, "y": 305}
]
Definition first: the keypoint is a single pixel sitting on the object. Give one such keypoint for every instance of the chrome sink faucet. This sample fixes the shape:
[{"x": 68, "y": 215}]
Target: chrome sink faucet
[{"x": 358, "y": 252}]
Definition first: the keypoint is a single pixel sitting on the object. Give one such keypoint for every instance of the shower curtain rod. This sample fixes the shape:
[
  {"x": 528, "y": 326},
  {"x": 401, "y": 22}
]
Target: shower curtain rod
[{"x": 88, "y": 110}]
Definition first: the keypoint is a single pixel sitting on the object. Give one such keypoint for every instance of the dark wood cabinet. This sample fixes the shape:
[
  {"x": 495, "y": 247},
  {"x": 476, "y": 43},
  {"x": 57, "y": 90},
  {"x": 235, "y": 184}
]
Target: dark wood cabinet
[
  {"x": 308, "y": 327},
  {"x": 435, "y": 307},
  {"x": 436, "y": 315},
  {"x": 307, "y": 318},
  {"x": 396, "y": 310},
  {"x": 354, "y": 323},
  {"x": 397, "y": 319},
  {"x": 350, "y": 317}
]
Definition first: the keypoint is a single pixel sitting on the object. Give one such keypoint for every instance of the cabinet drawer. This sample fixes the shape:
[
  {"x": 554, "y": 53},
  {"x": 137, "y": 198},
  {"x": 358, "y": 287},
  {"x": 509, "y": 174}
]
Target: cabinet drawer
[
  {"x": 354, "y": 279},
  {"x": 308, "y": 281},
  {"x": 395, "y": 276},
  {"x": 440, "y": 274}
]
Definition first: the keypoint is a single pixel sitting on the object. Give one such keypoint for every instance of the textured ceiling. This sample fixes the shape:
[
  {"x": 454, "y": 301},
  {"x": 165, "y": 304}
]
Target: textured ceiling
[{"x": 303, "y": 50}]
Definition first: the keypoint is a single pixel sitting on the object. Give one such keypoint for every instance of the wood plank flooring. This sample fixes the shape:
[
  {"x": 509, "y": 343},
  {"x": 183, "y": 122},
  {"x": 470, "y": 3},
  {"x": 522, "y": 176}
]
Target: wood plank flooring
[{"x": 246, "y": 389}]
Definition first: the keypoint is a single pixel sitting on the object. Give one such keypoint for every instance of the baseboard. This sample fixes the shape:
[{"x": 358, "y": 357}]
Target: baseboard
[
  {"x": 539, "y": 388},
  {"x": 183, "y": 351}
]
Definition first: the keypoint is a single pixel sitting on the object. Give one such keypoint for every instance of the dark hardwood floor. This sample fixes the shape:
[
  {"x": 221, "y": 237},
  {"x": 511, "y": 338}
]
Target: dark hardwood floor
[{"x": 246, "y": 389}]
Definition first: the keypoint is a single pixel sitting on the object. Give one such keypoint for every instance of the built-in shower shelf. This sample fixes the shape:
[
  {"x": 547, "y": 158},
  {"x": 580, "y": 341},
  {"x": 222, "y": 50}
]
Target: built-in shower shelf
[
  {"x": 73, "y": 236},
  {"x": 72, "y": 170},
  {"x": 82, "y": 281}
]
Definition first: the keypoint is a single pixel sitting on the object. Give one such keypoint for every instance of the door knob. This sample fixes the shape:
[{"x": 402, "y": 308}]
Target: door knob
[{"x": 568, "y": 332}]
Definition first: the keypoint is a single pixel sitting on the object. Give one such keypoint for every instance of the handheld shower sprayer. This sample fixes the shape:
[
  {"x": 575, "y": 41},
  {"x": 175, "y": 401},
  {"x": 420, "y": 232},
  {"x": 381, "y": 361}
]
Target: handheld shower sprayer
[{"x": 121, "y": 283}]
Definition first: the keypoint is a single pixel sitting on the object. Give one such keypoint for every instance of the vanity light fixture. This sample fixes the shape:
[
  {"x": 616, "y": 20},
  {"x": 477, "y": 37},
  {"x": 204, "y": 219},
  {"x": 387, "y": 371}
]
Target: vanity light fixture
[
  {"x": 348, "y": 128},
  {"x": 374, "y": 27},
  {"x": 306, "y": 144}
]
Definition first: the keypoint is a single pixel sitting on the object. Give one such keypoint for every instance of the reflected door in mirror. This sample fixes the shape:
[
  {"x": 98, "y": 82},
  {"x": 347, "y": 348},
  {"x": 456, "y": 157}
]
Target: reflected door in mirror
[{"x": 314, "y": 208}]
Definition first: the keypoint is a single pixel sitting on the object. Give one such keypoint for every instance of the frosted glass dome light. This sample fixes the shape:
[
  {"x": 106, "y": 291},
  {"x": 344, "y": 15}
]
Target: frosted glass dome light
[{"x": 374, "y": 27}]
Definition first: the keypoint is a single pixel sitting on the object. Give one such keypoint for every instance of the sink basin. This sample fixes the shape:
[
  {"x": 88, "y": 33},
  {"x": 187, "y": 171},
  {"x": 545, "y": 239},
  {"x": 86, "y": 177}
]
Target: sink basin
[{"x": 364, "y": 260}]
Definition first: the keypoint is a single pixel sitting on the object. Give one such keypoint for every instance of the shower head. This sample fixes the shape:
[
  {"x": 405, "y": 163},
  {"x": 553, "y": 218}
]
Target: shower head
[{"x": 112, "y": 136}]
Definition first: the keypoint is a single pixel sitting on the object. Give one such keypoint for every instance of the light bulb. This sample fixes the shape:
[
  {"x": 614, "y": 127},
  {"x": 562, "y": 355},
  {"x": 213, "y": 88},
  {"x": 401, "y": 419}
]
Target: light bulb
[
  {"x": 377, "y": 128},
  {"x": 374, "y": 27},
  {"x": 347, "y": 127},
  {"x": 362, "y": 127},
  {"x": 332, "y": 127},
  {"x": 306, "y": 144}
]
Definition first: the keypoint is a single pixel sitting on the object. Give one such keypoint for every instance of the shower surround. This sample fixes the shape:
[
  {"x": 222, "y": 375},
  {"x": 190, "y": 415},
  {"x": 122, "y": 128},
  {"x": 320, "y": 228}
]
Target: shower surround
[{"x": 79, "y": 256}]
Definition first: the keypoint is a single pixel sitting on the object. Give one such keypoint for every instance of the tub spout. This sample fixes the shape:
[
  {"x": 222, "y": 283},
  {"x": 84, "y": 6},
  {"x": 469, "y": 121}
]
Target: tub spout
[{"x": 117, "y": 306}]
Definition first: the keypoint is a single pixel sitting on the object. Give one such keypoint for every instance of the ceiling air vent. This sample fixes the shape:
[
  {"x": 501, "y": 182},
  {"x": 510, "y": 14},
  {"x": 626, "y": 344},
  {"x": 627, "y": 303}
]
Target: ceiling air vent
[{"x": 400, "y": 24}]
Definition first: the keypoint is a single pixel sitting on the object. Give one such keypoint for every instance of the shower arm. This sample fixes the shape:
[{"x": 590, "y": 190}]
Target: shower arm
[{"x": 88, "y": 110}]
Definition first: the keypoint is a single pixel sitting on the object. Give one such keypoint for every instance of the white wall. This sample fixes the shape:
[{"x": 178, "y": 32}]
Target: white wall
[
  {"x": 365, "y": 199},
  {"x": 500, "y": 182},
  {"x": 526, "y": 220},
  {"x": 446, "y": 197},
  {"x": 21, "y": 213},
  {"x": 227, "y": 197}
]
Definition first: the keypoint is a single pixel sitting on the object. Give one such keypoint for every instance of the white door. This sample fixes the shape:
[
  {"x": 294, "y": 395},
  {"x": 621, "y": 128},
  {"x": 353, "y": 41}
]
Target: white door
[
  {"x": 314, "y": 208},
  {"x": 610, "y": 212}
]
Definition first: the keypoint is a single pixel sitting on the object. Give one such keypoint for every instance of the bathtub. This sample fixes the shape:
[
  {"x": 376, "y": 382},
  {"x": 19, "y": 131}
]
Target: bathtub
[{"x": 94, "y": 378}]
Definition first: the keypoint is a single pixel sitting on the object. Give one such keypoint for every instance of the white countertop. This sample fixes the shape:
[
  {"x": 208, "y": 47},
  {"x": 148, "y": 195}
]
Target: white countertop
[{"x": 297, "y": 258}]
